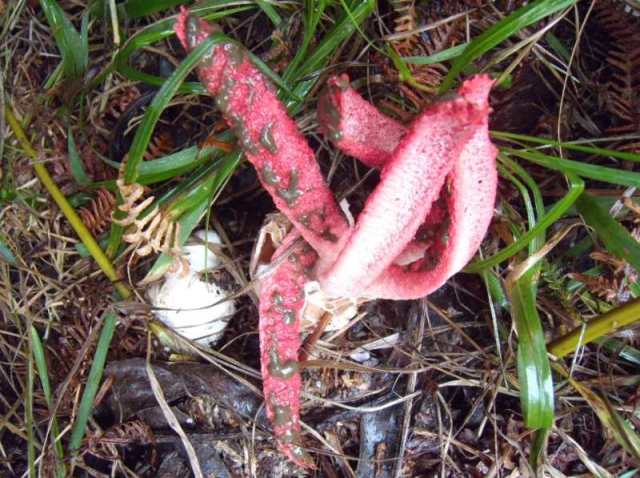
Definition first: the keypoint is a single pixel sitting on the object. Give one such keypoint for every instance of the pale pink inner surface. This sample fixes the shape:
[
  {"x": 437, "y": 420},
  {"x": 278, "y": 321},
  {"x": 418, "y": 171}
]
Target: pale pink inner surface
[{"x": 385, "y": 236}]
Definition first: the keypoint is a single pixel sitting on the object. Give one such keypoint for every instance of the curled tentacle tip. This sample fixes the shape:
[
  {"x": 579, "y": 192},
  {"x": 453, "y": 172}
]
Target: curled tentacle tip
[
  {"x": 191, "y": 29},
  {"x": 180, "y": 27},
  {"x": 476, "y": 90}
]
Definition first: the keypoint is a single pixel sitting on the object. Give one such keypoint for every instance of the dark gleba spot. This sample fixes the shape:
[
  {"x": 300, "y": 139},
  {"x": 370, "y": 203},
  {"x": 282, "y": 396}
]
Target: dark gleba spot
[
  {"x": 267, "y": 140},
  {"x": 283, "y": 370},
  {"x": 292, "y": 193}
]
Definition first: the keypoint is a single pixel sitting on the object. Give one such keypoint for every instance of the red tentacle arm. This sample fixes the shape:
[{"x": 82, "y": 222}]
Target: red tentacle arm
[
  {"x": 411, "y": 205},
  {"x": 271, "y": 141},
  {"x": 356, "y": 126},
  {"x": 281, "y": 301}
]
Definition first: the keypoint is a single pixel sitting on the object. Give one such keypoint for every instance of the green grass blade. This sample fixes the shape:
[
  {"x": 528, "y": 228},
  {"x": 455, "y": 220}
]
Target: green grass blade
[
  {"x": 270, "y": 11},
  {"x": 68, "y": 40},
  {"x": 334, "y": 38},
  {"x": 43, "y": 373},
  {"x": 84, "y": 39},
  {"x": 160, "y": 102},
  {"x": 502, "y": 30},
  {"x": 93, "y": 381},
  {"x": 170, "y": 166},
  {"x": 534, "y": 373},
  {"x": 343, "y": 29},
  {"x": 152, "y": 34},
  {"x": 616, "y": 238},
  {"x": 558, "y": 47},
  {"x": 313, "y": 11},
  {"x": 190, "y": 219},
  {"x": 622, "y": 350},
  {"x": 558, "y": 210},
  {"x": 174, "y": 164},
  {"x": 586, "y": 170},
  {"x": 77, "y": 166},
  {"x": 602, "y": 325},
  {"x": 441, "y": 56},
  {"x": 275, "y": 79},
  {"x": 28, "y": 413},
  {"x": 496, "y": 290},
  {"x": 6, "y": 254},
  {"x": 538, "y": 447},
  {"x": 575, "y": 146},
  {"x": 141, "y": 8}
]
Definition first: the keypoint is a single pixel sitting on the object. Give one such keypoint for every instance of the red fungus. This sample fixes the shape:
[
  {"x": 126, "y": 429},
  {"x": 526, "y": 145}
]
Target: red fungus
[
  {"x": 281, "y": 300},
  {"x": 355, "y": 125},
  {"x": 450, "y": 139},
  {"x": 285, "y": 163},
  {"x": 421, "y": 224}
]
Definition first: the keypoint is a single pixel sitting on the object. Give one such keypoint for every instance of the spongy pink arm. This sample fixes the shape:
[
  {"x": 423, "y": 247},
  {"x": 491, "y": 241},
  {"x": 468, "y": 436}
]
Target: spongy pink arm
[
  {"x": 472, "y": 192},
  {"x": 355, "y": 126},
  {"x": 271, "y": 141},
  {"x": 450, "y": 139},
  {"x": 281, "y": 300}
]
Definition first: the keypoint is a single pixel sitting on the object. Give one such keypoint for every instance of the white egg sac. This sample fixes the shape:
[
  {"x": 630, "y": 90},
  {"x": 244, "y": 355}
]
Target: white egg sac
[{"x": 195, "y": 308}]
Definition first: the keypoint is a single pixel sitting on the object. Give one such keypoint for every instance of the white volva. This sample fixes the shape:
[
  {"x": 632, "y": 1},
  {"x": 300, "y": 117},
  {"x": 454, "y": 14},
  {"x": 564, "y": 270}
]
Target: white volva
[{"x": 185, "y": 302}]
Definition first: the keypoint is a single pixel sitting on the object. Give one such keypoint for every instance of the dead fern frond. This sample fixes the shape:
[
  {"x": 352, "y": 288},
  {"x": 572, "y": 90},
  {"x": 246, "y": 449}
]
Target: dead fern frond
[
  {"x": 97, "y": 215},
  {"x": 602, "y": 287},
  {"x": 405, "y": 24},
  {"x": 118, "y": 104},
  {"x": 134, "y": 432},
  {"x": 161, "y": 143},
  {"x": 151, "y": 232},
  {"x": 623, "y": 60},
  {"x": 446, "y": 29}
]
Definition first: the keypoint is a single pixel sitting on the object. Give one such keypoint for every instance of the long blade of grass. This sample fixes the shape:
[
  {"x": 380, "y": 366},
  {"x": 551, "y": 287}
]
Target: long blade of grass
[
  {"x": 538, "y": 447},
  {"x": 109, "y": 322},
  {"x": 616, "y": 238},
  {"x": 43, "y": 372},
  {"x": 76, "y": 223},
  {"x": 439, "y": 57},
  {"x": 68, "y": 40},
  {"x": 270, "y": 11},
  {"x": 601, "y": 326},
  {"x": 190, "y": 218},
  {"x": 141, "y": 8},
  {"x": 160, "y": 102},
  {"x": 75, "y": 161},
  {"x": 624, "y": 155},
  {"x": 178, "y": 163},
  {"x": 343, "y": 29},
  {"x": 559, "y": 209},
  {"x": 502, "y": 30},
  {"x": 28, "y": 412},
  {"x": 313, "y": 11},
  {"x": 169, "y": 166},
  {"x": 586, "y": 170},
  {"x": 534, "y": 373}
]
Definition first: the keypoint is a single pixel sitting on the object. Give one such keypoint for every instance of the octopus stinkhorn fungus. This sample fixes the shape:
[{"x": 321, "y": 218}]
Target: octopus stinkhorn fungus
[
  {"x": 436, "y": 195},
  {"x": 420, "y": 225}
]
